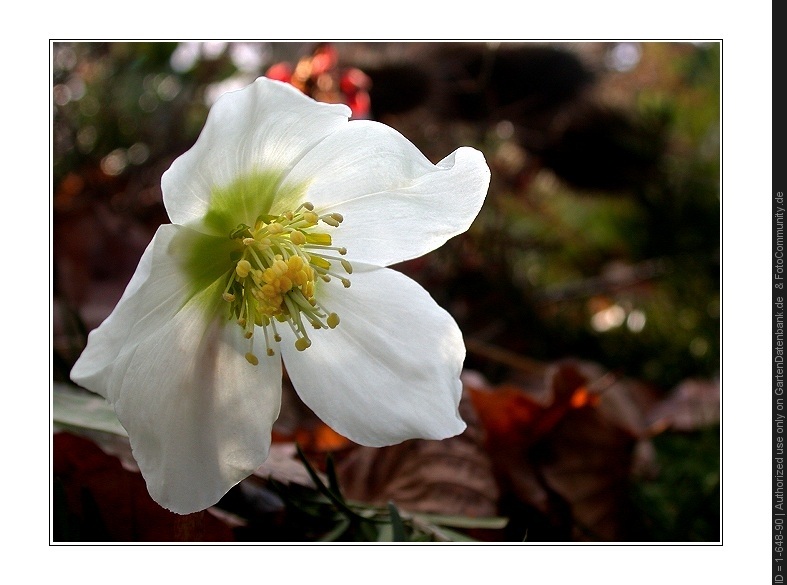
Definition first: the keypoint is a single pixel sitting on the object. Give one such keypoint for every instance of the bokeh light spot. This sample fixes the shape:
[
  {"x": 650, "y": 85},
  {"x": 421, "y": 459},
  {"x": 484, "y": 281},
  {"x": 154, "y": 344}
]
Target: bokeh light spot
[
  {"x": 115, "y": 162},
  {"x": 608, "y": 318},
  {"x": 138, "y": 153},
  {"x": 636, "y": 321},
  {"x": 698, "y": 346},
  {"x": 624, "y": 56},
  {"x": 61, "y": 93}
]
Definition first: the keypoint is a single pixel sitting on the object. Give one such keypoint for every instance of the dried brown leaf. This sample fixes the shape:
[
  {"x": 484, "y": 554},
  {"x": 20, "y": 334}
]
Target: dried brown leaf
[
  {"x": 569, "y": 452},
  {"x": 451, "y": 477},
  {"x": 105, "y": 502}
]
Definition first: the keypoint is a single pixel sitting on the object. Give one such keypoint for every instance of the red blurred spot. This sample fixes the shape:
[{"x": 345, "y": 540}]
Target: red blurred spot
[
  {"x": 354, "y": 79},
  {"x": 325, "y": 58},
  {"x": 279, "y": 72},
  {"x": 360, "y": 104}
]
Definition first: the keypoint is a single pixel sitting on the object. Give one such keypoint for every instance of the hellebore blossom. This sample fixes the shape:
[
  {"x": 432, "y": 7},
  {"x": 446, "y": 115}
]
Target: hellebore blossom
[{"x": 284, "y": 216}]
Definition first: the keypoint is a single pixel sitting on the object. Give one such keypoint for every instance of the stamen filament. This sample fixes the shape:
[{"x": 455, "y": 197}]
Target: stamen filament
[
  {"x": 339, "y": 249},
  {"x": 323, "y": 271},
  {"x": 268, "y": 349}
]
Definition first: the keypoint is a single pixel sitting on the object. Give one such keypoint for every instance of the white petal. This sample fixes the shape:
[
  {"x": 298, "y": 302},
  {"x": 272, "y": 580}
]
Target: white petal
[
  {"x": 154, "y": 294},
  {"x": 396, "y": 204},
  {"x": 198, "y": 415},
  {"x": 390, "y": 370},
  {"x": 265, "y": 127}
]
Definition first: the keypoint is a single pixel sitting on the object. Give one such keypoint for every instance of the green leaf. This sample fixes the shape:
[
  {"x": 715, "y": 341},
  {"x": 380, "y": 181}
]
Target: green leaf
[
  {"x": 333, "y": 480},
  {"x": 323, "y": 489},
  {"x": 456, "y": 536},
  {"x": 337, "y": 531},
  {"x": 367, "y": 532},
  {"x": 397, "y": 524},
  {"x": 385, "y": 533},
  {"x": 492, "y": 522},
  {"x": 77, "y": 408}
]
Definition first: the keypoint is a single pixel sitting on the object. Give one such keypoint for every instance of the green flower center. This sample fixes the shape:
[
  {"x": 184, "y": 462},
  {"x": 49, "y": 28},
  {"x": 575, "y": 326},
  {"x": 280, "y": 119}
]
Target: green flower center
[{"x": 276, "y": 273}]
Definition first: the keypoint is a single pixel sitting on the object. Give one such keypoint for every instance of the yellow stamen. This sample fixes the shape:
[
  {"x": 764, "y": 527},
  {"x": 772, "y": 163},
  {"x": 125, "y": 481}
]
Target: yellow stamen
[{"x": 282, "y": 260}]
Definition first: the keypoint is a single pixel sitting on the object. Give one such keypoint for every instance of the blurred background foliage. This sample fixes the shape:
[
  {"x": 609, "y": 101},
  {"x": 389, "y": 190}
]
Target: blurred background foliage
[{"x": 599, "y": 240}]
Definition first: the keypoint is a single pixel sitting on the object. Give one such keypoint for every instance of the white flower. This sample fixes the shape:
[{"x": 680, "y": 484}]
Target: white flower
[{"x": 284, "y": 215}]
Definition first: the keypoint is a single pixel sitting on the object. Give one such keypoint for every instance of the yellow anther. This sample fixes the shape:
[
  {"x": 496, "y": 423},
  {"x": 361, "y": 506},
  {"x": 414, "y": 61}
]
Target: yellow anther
[
  {"x": 333, "y": 320},
  {"x": 242, "y": 269},
  {"x": 320, "y": 262},
  {"x": 280, "y": 266},
  {"x": 320, "y": 239},
  {"x": 297, "y": 238},
  {"x": 275, "y": 228},
  {"x": 252, "y": 359},
  {"x": 229, "y": 297},
  {"x": 311, "y": 217},
  {"x": 330, "y": 221},
  {"x": 295, "y": 263},
  {"x": 285, "y": 284},
  {"x": 248, "y": 241},
  {"x": 302, "y": 343}
]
